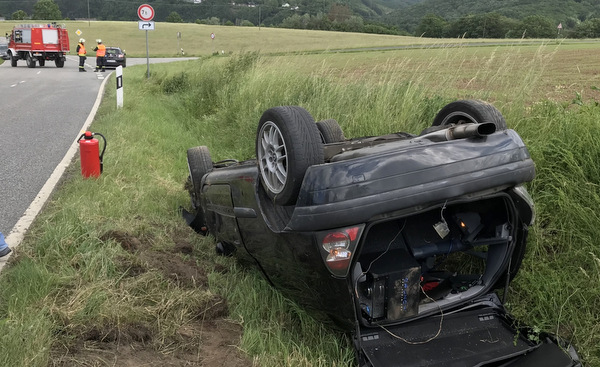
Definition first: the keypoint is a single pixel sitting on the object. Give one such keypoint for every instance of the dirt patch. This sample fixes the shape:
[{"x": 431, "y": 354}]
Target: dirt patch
[{"x": 211, "y": 340}]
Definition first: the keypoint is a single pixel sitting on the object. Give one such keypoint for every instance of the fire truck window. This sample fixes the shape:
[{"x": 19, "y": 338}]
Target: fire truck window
[{"x": 18, "y": 36}]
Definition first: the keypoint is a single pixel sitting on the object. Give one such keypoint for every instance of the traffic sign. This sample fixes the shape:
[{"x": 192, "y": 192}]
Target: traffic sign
[
  {"x": 146, "y": 12},
  {"x": 145, "y": 26}
]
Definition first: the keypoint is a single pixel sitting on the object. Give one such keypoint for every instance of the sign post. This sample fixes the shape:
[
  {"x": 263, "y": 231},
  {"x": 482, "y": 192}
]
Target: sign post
[
  {"x": 146, "y": 14},
  {"x": 558, "y": 28}
]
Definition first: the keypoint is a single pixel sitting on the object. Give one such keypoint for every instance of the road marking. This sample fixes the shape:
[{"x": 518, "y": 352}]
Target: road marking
[{"x": 17, "y": 234}]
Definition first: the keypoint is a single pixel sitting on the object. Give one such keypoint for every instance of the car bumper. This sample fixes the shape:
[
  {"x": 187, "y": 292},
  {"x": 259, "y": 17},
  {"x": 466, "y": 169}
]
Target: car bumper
[{"x": 407, "y": 175}]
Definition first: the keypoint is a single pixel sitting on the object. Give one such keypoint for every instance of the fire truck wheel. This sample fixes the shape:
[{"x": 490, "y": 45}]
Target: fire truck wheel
[
  {"x": 30, "y": 61},
  {"x": 42, "y": 62},
  {"x": 59, "y": 63},
  {"x": 13, "y": 60}
]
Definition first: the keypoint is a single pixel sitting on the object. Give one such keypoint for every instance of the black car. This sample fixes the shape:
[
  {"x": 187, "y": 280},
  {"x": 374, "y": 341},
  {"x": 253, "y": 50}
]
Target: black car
[
  {"x": 4, "y": 51},
  {"x": 400, "y": 240},
  {"x": 115, "y": 57}
]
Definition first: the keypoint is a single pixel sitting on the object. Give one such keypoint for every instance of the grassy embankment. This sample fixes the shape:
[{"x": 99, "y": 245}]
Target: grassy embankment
[{"x": 75, "y": 276}]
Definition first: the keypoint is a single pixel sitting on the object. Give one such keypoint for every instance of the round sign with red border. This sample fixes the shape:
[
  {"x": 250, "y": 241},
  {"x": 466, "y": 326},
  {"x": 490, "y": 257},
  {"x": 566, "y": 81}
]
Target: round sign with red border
[{"x": 146, "y": 12}]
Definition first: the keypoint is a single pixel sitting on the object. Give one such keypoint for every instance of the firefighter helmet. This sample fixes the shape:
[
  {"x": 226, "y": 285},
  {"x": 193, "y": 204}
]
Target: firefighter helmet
[{"x": 81, "y": 40}]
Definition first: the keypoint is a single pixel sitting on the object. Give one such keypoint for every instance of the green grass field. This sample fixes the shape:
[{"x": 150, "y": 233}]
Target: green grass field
[{"x": 111, "y": 275}]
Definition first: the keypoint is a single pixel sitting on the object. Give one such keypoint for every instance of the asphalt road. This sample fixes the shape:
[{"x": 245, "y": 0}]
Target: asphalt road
[{"x": 43, "y": 111}]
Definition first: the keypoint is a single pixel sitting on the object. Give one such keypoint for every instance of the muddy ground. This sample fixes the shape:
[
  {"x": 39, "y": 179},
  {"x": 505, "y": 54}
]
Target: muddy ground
[{"x": 212, "y": 341}]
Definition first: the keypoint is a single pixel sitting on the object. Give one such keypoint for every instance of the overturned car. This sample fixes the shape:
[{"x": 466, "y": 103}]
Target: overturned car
[{"x": 401, "y": 240}]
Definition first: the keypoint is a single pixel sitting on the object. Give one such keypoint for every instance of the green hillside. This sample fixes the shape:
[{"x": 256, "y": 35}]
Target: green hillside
[{"x": 567, "y": 12}]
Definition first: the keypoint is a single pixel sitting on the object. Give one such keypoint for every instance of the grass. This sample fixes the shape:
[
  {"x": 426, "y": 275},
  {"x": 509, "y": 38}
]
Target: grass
[
  {"x": 73, "y": 278},
  {"x": 196, "y": 40}
]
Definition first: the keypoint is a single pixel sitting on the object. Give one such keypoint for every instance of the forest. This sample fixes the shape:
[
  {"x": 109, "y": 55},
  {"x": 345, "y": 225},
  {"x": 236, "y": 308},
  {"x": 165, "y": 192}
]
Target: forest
[{"x": 424, "y": 18}]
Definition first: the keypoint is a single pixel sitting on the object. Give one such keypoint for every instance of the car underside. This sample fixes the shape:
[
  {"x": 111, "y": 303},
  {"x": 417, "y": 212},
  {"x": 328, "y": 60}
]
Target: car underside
[{"x": 400, "y": 240}]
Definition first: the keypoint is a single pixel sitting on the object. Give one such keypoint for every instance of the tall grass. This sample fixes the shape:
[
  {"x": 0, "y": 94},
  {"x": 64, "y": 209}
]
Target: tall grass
[{"x": 67, "y": 277}]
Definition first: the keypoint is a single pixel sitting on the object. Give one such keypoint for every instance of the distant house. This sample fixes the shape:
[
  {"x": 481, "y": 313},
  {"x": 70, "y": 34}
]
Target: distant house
[{"x": 286, "y": 5}]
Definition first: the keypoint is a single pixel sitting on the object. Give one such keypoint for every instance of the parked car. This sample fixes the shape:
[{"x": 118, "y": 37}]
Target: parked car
[
  {"x": 4, "y": 51},
  {"x": 115, "y": 57},
  {"x": 400, "y": 240}
]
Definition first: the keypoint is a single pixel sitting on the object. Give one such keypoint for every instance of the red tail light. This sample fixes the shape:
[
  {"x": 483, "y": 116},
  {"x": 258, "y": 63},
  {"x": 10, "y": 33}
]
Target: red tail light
[{"x": 338, "y": 247}]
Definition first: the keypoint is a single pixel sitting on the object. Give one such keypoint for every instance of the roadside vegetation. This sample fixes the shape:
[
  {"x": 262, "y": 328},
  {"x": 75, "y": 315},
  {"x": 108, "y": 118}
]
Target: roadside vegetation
[{"x": 111, "y": 275}]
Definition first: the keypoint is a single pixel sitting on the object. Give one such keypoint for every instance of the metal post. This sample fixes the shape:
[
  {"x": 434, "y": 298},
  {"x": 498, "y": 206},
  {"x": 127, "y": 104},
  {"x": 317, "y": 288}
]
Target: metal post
[
  {"x": 88, "y": 1},
  {"x": 147, "y": 57}
]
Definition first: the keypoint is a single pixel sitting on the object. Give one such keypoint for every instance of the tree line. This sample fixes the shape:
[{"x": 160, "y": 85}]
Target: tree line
[{"x": 321, "y": 15}]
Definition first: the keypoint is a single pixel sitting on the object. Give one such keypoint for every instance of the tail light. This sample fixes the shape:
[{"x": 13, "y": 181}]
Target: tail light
[{"x": 338, "y": 247}]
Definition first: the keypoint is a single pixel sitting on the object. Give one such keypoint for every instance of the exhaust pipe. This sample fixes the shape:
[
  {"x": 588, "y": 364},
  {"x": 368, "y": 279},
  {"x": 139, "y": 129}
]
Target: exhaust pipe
[{"x": 462, "y": 132}]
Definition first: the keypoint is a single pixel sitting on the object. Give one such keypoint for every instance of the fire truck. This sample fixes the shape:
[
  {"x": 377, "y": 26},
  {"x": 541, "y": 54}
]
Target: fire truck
[{"x": 36, "y": 43}]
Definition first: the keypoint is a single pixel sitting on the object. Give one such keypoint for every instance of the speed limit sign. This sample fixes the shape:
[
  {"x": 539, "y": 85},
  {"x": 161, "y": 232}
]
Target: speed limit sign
[{"x": 146, "y": 12}]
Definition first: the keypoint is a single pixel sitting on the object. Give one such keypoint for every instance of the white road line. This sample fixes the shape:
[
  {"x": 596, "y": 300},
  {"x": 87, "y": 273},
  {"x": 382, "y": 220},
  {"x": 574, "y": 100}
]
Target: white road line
[{"x": 18, "y": 232}]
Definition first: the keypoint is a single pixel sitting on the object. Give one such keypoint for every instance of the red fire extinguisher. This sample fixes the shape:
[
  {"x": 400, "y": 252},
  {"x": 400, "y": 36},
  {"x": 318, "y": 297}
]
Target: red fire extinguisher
[{"x": 91, "y": 161}]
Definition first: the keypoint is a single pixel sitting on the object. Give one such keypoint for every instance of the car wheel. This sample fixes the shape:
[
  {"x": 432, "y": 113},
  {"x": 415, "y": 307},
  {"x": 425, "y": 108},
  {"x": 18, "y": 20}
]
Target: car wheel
[
  {"x": 287, "y": 143},
  {"x": 13, "y": 60},
  {"x": 199, "y": 164},
  {"x": 30, "y": 61},
  {"x": 469, "y": 112},
  {"x": 330, "y": 131}
]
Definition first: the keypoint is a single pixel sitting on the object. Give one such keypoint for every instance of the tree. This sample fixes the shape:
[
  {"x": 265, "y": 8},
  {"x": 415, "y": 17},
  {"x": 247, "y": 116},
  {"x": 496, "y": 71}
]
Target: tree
[
  {"x": 46, "y": 10},
  {"x": 588, "y": 29},
  {"x": 339, "y": 13},
  {"x": 488, "y": 25},
  {"x": 19, "y": 15},
  {"x": 537, "y": 26},
  {"x": 174, "y": 17},
  {"x": 432, "y": 26}
]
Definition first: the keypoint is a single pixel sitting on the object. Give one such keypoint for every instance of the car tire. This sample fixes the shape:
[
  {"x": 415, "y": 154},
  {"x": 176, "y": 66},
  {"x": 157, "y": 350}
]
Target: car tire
[
  {"x": 59, "y": 63},
  {"x": 287, "y": 143},
  {"x": 199, "y": 164},
  {"x": 30, "y": 61},
  {"x": 13, "y": 60},
  {"x": 330, "y": 131},
  {"x": 467, "y": 112}
]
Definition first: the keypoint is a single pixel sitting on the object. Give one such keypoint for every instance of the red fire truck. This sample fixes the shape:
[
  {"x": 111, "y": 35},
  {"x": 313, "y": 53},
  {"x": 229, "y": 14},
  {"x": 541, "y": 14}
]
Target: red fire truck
[{"x": 36, "y": 43}]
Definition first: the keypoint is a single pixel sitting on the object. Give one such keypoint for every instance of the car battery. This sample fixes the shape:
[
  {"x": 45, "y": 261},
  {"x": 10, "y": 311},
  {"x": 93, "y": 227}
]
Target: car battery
[{"x": 392, "y": 289}]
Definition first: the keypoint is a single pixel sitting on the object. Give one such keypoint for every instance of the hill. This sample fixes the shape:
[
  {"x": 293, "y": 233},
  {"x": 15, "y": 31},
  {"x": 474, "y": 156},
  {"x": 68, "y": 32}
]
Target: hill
[{"x": 567, "y": 12}]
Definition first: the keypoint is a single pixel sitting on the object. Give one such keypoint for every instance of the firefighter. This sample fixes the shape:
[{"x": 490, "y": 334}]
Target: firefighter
[
  {"x": 100, "y": 53},
  {"x": 81, "y": 53}
]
